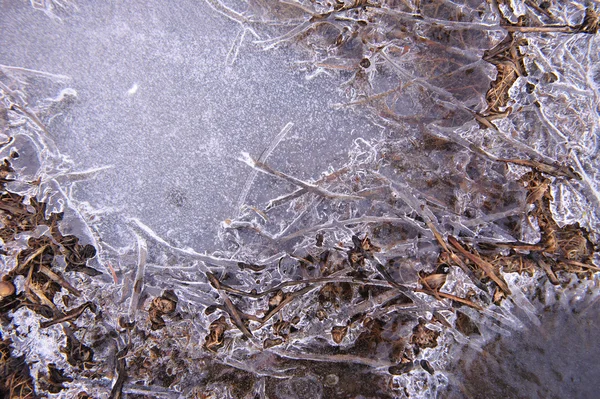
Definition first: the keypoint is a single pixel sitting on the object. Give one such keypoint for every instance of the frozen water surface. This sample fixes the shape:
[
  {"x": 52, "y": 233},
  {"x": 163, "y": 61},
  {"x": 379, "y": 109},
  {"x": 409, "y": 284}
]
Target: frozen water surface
[
  {"x": 401, "y": 194},
  {"x": 157, "y": 100}
]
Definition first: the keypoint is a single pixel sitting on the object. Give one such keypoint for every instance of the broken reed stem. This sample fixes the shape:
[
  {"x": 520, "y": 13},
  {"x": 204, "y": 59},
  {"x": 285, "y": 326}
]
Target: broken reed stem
[
  {"x": 582, "y": 265},
  {"x": 31, "y": 257},
  {"x": 542, "y": 29},
  {"x": 121, "y": 368},
  {"x": 551, "y": 275},
  {"x": 235, "y": 315}
]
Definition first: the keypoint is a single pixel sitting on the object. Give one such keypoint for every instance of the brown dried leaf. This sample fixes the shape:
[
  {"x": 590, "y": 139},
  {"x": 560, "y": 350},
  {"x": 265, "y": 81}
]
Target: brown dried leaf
[
  {"x": 215, "y": 338},
  {"x": 161, "y": 306},
  {"x": 424, "y": 337},
  {"x": 338, "y": 333},
  {"x": 276, "y": 299},
  {"x": 433, "y": 282},
  {"x": 507, "y": 58}
]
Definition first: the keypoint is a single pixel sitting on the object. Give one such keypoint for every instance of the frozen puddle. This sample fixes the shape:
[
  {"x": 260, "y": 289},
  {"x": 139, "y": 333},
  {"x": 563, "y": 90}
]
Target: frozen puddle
[
  {"x": 391, "y": 259},
  {"x": 157, "y": 101}
]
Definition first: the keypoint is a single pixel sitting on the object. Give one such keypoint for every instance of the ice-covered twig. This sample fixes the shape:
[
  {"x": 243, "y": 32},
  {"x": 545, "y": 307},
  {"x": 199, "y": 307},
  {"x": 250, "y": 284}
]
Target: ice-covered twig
[
  {"x": 310, "y": 281},
  {"x": 235, "y": 47},
  {"x": 402, "y": 288},
  {"x": 451, "y": 135},
  {"x": 298, "y": 217},
  {"x": 262, "y": 158},
  {"x": 290, "y": 296},
  {"x": 138, "y": 284},
  {"x": 70, "y": 205},
  {"x": 447, "y": 24},
  {"x": 551, "y": 126},
  {"x": 363, "y": 219},
  {"x": 285, "y": 198},
  {"x": 297, "y": 193},
  {"x": 233, "y": 15},
  {"x": 248, "y": 366},
  {"x": 554, "y": 169},
  {"x": 317, "y": 357},
  {"x": 299, "y": 29},
  {"x": 32, "y": 117},
  {"x": 246, "y": 158},
  {"x": 248, "y": 225},
  {"x": 235, "y": 315},
  {"x": 208, "y": 259},
  {"x": 151, "y": 390},
  {"x": 7, "y": 69},
  {"x": 84, "y": 174},
  {"x": 405, "y": 192},
  {"x": 446, "y": 95}
]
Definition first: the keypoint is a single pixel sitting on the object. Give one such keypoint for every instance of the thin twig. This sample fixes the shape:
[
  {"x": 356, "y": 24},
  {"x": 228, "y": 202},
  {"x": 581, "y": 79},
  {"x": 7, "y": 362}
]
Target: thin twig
[
  {"x": 72, "y": 315},
  {"x": 290, "y": 296},
  {"x": 59, "y": 280},
  {"x": 449, "y": 296}
]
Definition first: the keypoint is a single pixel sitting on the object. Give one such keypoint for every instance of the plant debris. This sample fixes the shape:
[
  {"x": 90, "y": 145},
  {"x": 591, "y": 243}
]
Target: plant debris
[
  {"x": 164, "y": 305},
  {"x": 15, "y": 378}
]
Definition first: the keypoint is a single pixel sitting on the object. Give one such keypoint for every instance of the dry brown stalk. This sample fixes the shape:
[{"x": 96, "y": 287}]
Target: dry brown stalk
[{"x": 487, "y": 267}]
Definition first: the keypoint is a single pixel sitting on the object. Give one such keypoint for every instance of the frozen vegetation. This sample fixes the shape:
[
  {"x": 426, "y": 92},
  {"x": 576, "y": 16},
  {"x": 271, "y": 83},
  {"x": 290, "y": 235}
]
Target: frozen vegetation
[{"x": 296, "y": 198}]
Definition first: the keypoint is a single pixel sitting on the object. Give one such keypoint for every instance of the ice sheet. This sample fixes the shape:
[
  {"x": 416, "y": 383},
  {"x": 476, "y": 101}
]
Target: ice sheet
[
  {"x": 370, "y": 129},
  {"x": 154, "y": 98}
]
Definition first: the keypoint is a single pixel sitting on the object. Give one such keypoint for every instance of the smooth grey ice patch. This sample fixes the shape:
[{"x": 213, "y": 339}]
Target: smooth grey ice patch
[{"x": 157, "y": 100}]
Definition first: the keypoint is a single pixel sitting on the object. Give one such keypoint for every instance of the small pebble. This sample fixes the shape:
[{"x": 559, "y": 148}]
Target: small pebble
[{"x": 6, "y": 289}]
